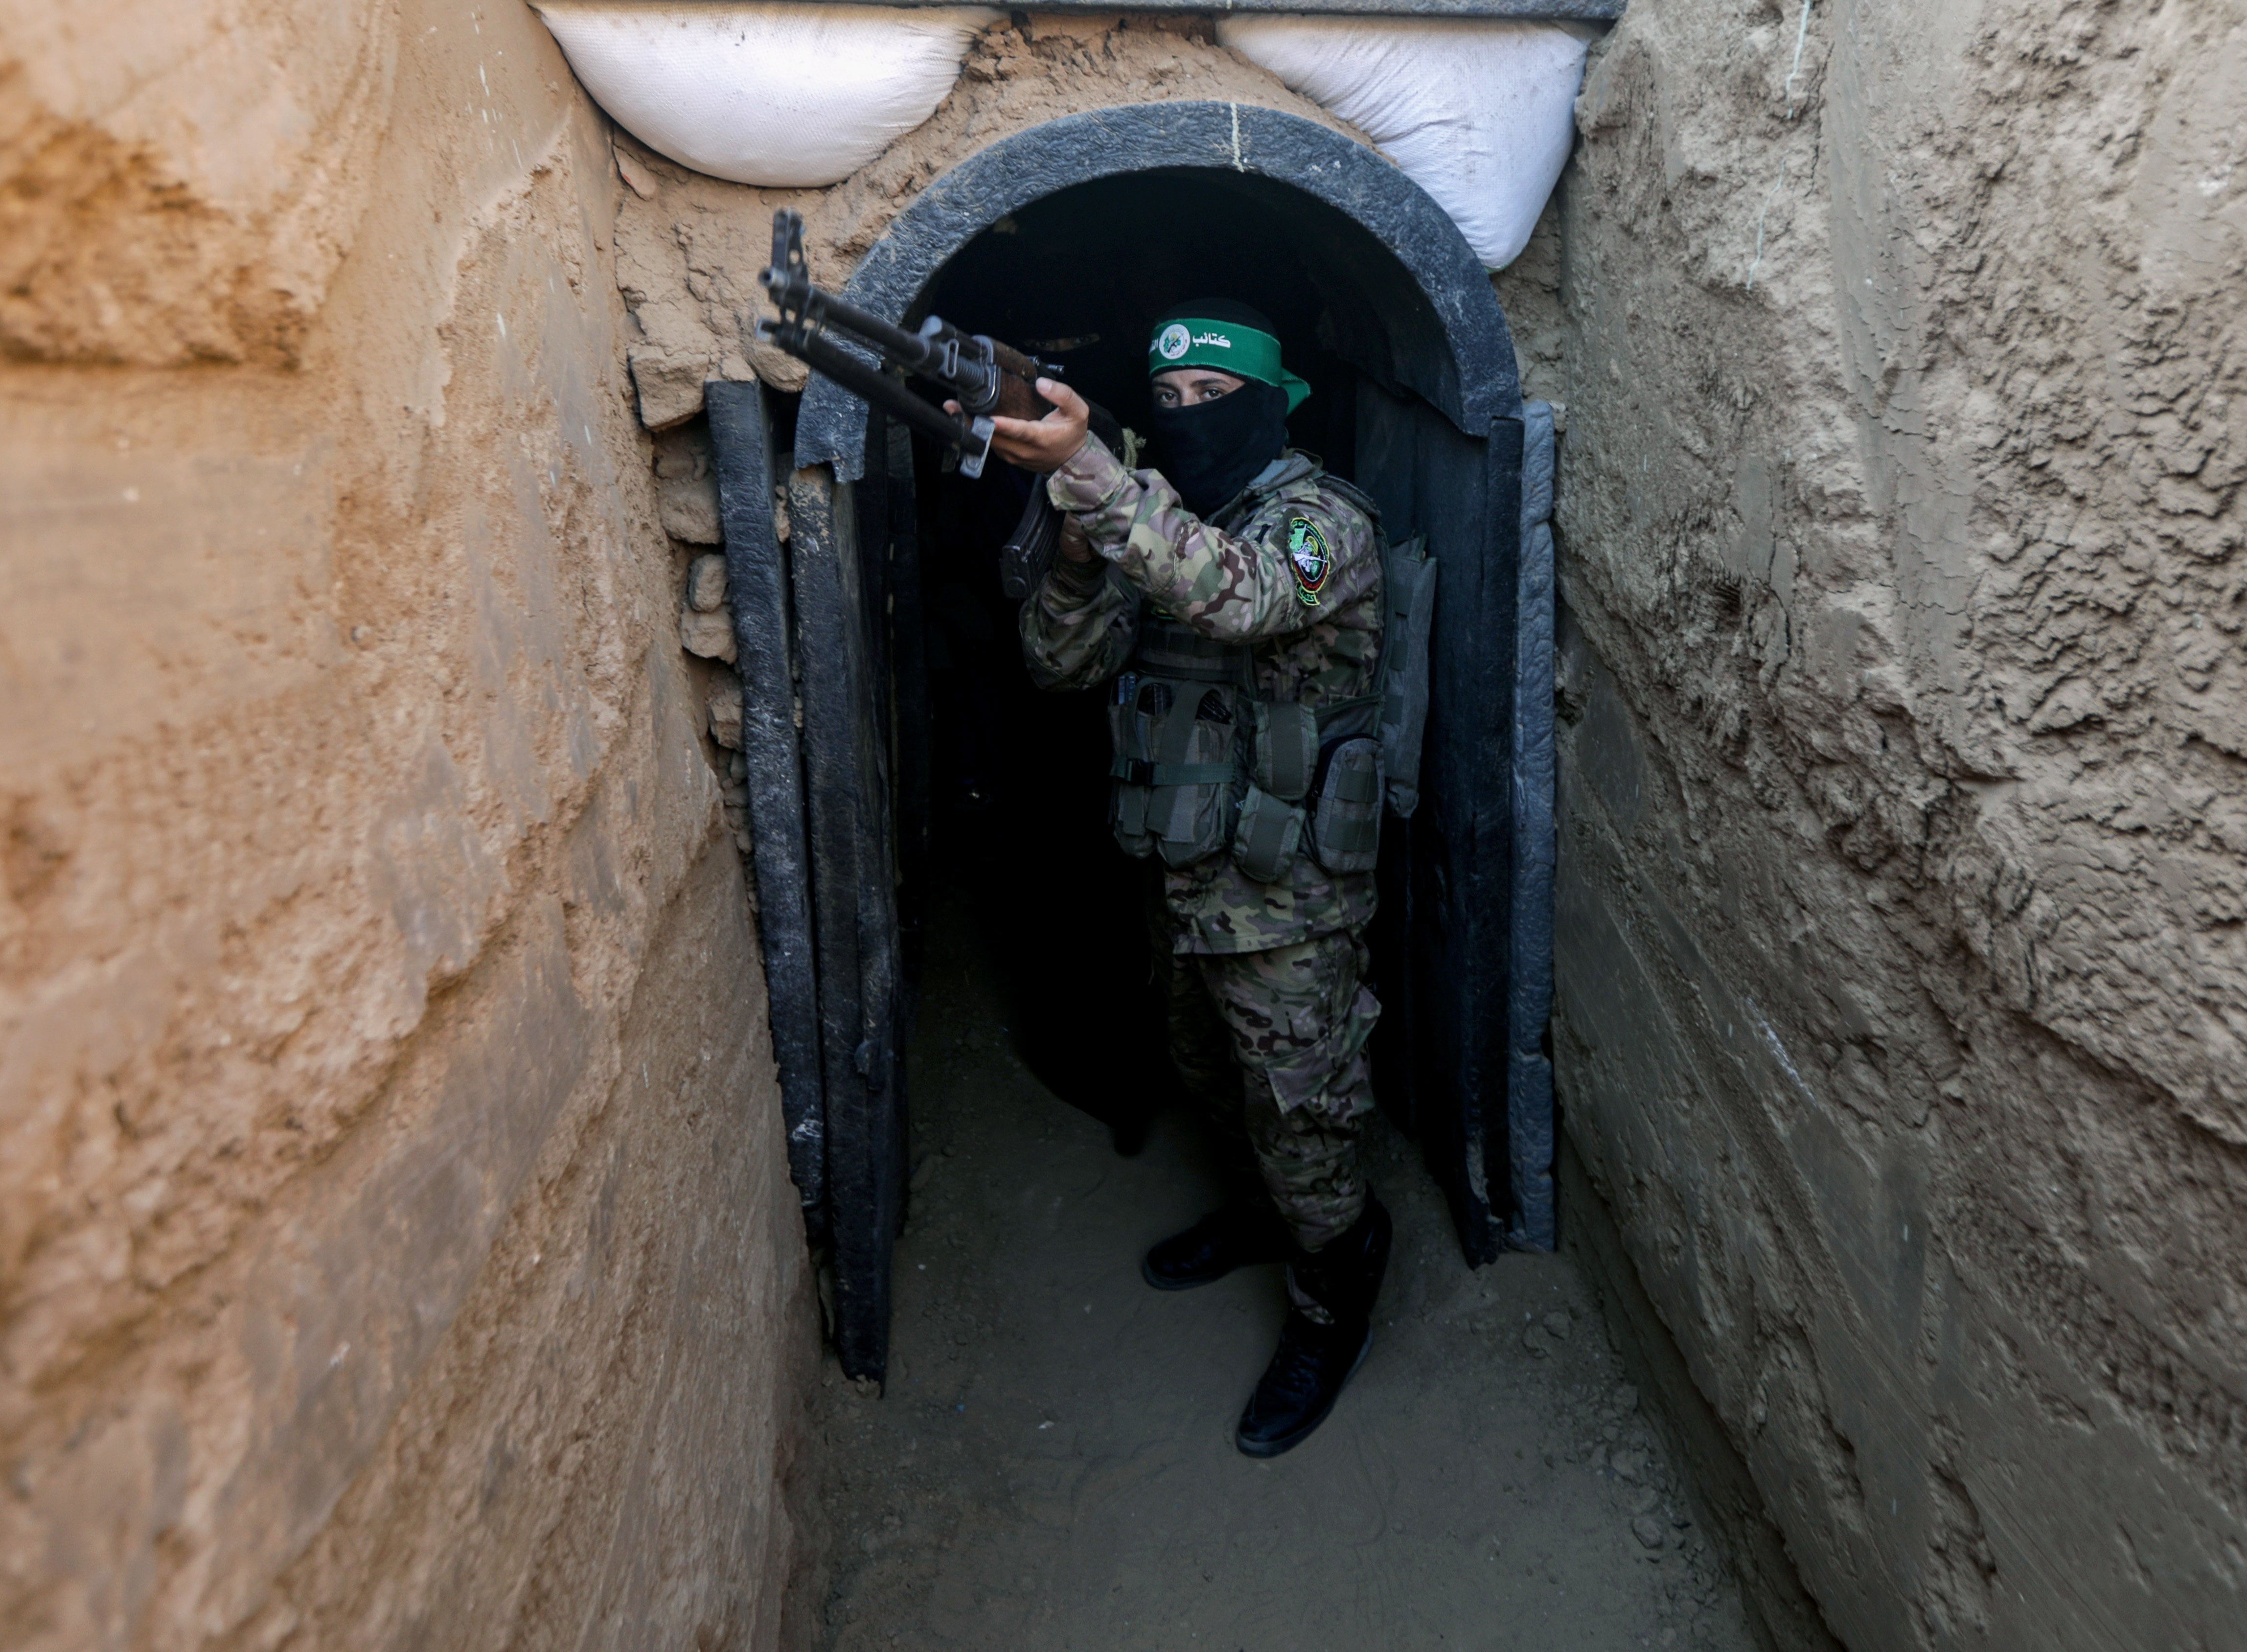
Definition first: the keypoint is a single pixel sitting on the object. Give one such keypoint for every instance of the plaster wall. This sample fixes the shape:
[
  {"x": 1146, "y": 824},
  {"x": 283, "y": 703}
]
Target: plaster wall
[
  {"x": 1905, "y": 780},
  {"x": 395, "y": 1243}
]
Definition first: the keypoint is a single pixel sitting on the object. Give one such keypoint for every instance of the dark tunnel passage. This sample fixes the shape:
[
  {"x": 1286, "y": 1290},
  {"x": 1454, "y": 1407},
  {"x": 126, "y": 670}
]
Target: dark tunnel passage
[{"x": 1017, "y": 778}]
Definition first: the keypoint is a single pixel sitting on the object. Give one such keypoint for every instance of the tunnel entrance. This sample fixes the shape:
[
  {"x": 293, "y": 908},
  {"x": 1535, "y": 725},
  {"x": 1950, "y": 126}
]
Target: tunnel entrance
[
  {"x": 1017, "y": 779},
  {"x": 891, "y": 731}
]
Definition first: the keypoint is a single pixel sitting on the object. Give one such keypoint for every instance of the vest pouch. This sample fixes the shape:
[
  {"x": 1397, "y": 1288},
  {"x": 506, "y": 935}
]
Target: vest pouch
[
  {"x": 1286, "y": 748},
  {"x": 1269, "y": 833},
  {"x": 1193, "y": 808},
  {"x": 1346, "y": 815},
  {"x": 1174, "y": 769},
  {"x": 1127, "y": 818},
  {"x": 1135, "y": 709}
]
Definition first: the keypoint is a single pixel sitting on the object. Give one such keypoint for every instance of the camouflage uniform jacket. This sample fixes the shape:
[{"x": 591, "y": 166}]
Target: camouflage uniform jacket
[{"x": 1316, "y": 631}]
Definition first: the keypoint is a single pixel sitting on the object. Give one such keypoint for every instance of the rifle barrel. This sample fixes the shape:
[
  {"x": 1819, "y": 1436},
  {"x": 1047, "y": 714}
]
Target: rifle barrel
[
  {"x": 982, "y": 372},
  {"x": 876, "y": 388},
  {"x": 910, "y": 350}
]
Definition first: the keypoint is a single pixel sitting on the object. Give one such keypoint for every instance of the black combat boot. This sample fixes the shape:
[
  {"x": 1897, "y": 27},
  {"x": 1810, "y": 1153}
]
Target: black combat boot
[
  {"x": 1238, "y": 1233},
  {"x": 1306, "y": 1376}
]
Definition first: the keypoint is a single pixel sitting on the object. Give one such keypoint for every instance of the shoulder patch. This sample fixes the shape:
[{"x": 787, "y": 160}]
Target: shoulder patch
[{"x": 1313, "y": 560}]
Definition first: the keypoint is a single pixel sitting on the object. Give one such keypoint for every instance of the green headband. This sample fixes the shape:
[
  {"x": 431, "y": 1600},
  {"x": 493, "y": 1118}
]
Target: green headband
[{"x": 1230, "y": 346}]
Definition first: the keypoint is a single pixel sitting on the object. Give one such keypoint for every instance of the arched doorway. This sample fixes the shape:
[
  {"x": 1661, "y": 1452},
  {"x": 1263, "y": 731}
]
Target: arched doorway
[{"x": 1406, "y": 320}]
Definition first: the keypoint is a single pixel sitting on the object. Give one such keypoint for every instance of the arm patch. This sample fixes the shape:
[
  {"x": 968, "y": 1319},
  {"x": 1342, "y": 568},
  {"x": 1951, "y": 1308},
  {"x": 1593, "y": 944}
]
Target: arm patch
[{"x": 1308, "y": 555}]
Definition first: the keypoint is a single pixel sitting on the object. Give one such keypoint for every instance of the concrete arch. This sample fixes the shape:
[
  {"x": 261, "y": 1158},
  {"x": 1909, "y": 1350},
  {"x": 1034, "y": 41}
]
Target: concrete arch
[{"x": 1432, "y": 325}]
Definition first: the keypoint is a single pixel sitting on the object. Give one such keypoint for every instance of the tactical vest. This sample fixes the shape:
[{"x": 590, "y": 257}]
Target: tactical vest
[{"x": 1202, "y": 765}]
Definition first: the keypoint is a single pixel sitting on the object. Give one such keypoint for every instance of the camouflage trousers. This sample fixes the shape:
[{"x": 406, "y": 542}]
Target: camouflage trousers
[{"x": 1271, "y": 1048}]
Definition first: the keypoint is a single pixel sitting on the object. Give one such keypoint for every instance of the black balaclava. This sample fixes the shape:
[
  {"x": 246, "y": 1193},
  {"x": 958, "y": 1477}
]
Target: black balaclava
[{"x": 1210, "y": 453}]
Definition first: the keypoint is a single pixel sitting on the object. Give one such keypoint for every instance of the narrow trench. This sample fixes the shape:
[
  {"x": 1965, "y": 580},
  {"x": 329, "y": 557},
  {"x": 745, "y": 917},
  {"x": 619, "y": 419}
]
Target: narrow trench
[{"x": 1051, "y": 1464}]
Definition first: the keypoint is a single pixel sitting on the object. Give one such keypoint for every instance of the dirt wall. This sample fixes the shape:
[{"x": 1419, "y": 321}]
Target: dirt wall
[
  {"x": 1905, "y": 784},
  {"x": 395, "y": 1244}
]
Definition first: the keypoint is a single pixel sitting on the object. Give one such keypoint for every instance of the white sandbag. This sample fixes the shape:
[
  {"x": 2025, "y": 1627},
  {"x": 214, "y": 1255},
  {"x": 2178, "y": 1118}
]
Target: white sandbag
[
  {"x": 786, "y": 96},
  {"x": 1477, "y": 113}
]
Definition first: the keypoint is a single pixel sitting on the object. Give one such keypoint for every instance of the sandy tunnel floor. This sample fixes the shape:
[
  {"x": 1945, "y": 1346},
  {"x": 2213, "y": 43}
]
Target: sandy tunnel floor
[{"x": 1052, "y": 1465}]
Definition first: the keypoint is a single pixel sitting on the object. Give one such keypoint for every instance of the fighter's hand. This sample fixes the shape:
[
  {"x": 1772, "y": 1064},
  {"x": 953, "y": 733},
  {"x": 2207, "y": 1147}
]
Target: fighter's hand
[{"x": 1042, "y": 445}]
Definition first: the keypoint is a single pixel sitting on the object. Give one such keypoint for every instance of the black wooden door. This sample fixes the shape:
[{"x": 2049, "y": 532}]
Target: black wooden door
[
  {"x": 750, "y": 476},
  {"x": 842, "y": 577},
  {"x": 1441, "y": 941},
  {"x": 827, "y": 618}
]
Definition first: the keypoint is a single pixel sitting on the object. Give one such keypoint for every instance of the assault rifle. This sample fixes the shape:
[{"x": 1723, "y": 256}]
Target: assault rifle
[{"x": 986, "y": 378}]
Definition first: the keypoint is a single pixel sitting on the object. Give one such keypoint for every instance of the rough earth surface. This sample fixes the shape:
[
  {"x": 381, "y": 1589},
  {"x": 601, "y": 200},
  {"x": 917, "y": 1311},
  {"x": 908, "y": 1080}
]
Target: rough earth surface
[
  {"x": 1052, "y": 1466},
  {"x": 395, "y": 1244},
  {"x": 1903, "y": 781}
]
